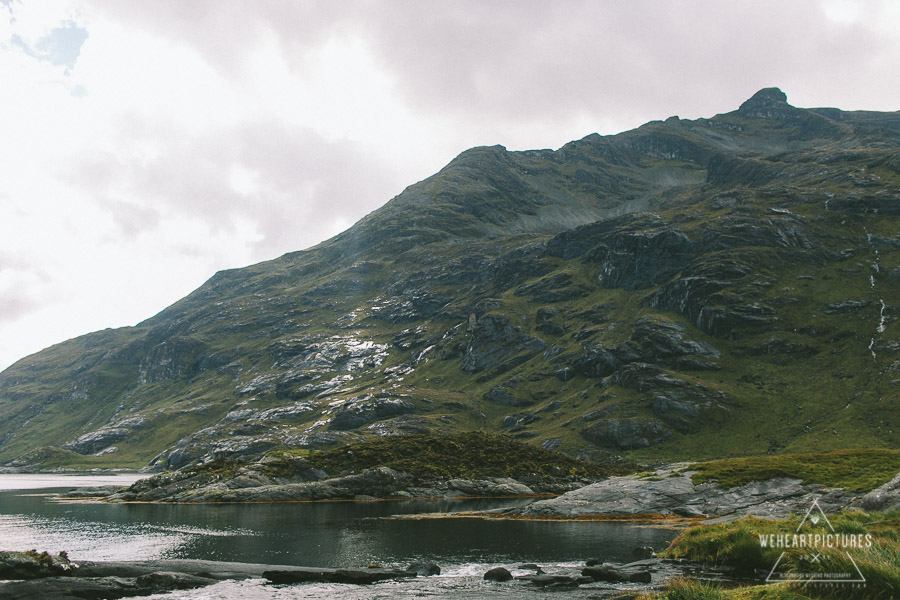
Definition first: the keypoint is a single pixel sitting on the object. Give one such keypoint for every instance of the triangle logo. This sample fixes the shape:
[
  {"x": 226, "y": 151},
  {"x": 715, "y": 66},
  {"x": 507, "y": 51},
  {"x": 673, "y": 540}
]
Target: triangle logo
[{"x": 813, "y": 517}]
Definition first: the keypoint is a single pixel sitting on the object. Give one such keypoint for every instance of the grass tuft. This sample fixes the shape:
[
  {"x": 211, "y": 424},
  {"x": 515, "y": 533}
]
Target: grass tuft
[{"x": 853, "y": 470}]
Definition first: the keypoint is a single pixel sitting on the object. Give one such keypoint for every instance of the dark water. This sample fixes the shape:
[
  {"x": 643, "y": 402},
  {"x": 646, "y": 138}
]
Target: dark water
[{"x": 315, "y": 534}]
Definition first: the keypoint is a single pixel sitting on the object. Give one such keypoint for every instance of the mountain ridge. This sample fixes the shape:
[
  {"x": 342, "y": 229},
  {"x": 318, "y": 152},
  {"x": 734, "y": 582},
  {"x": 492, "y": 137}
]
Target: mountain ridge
[{"x": 622, "y": 294}]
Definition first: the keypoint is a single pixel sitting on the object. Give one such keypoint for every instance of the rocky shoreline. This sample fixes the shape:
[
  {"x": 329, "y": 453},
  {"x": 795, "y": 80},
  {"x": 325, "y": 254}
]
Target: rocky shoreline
[
  {"x": 671, "y": 492},
  {"x": 668, "y": 492},
  {"x": 31, "y": 575},
  {"x": 371, "y": 484}
]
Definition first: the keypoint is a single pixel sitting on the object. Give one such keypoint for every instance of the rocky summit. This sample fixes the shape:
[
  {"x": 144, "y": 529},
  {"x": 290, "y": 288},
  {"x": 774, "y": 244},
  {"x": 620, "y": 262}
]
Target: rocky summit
[{"x": 689, "y": 289}]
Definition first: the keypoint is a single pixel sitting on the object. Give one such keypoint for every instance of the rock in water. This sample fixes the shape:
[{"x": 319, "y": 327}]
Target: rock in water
[
  {"x": 424, "y": 569},
  {"x": 498, "y": 574}
]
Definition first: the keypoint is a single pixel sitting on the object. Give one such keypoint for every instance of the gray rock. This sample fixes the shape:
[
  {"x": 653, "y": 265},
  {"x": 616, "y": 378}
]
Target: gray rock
[
  {"x": 663, "y": 405},
  {"x": 626, "y": 434},
  {"x": 354, "y": 576},
  {"x": 96, "y": 441},
  {"x": 498, "y": 574},
  {"x": 551, "y": 443},
  {"x": 556, "y": 288},
  {"x": 288, "y": 411},
  {"x": 883, "y": 498},
  {"x": 510, "y": 421},
  {"x": 678, "y": 495},
  {"x": 31, "y": 565},
  {"x": 497, "y": 345},
  {"x": 424, "y": 569},
  {"x": 611, "y": 573},
  {"x": 72, "y": 588},
  {"x": 503, "y": 395},
  {"x": 501, "y": 486},
  {"x": 317, "y": 440},
  {"x": 366, "y": 409},
  {"x": 847, "y": 306},
  {"x": 402, "y": 425},
  {"x": 166, "y": 581},
  {"x": 554, "y": 581},
  {"x": 664, "y": 340}
]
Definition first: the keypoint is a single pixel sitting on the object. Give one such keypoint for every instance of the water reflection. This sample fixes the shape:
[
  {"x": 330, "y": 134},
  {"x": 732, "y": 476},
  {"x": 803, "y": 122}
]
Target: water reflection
[{"x": 311, "y": 534}]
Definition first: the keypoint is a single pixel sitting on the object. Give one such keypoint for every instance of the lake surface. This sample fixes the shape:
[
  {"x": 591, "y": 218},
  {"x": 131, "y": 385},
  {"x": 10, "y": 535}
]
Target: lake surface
[{"x": 331, "y": 534}]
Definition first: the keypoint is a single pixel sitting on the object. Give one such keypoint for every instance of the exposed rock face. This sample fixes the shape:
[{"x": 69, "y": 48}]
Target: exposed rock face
[
  {"x": 498, "y": 346},
  {"x": 366, "y": 409},
  {"x": 678, "y": 495},
  {"x": 626, "y": 434},
  {"x": 884, "y": 498},
  {"x": 766, "y": 103}
]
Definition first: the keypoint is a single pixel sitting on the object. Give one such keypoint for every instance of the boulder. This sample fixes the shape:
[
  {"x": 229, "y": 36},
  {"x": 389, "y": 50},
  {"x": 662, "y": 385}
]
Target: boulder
[
  {"x": 555, "y": 582},
  {"x": 498, "y": 574},
  {"x": 33, "y": 565},
  {"x": 167, "y": 581},
  {"x": 611, "y": 573},
  {"x": 884, "y": 498},
  {"x": 643, "y": 552}
]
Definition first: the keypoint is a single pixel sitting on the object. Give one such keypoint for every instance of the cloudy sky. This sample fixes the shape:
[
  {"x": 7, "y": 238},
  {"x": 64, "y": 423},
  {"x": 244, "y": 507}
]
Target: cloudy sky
[{"x": 146, "y": 145}]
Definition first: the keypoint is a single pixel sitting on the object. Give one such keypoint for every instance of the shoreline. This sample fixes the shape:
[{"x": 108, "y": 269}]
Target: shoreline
[{"x": 59, "y": 577}]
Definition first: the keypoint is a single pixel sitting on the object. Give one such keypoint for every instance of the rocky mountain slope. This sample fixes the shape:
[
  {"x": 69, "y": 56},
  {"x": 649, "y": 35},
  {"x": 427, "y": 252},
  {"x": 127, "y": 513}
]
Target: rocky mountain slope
[{"x": 688, "y": 289}]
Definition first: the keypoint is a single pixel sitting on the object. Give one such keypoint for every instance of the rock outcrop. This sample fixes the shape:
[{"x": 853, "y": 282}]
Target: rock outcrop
[{"x": 674, "y": 493}]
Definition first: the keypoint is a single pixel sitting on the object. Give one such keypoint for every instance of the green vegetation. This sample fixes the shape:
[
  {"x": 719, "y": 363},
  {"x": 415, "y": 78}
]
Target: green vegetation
[
  {"x": 736, "y": 544},
  {"x": 759, "y": 250},
  {"x": 688, "y": 589},
  {"x": 853, "y": 470},
  {"x": 466, "y": 455}
]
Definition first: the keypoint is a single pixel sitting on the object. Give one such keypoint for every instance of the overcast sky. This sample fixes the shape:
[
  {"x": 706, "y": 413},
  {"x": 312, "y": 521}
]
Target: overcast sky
[{"x": 146, "y": 145}]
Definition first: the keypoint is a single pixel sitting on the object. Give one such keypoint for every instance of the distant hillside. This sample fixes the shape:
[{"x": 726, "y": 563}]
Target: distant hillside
[{"x": 685, "y": 290}]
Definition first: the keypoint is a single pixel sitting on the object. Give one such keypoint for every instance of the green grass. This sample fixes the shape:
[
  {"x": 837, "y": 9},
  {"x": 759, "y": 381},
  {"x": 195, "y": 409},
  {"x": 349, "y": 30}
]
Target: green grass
[
  {"x": 477, "y": 242},
  {"x": 688, "y": 589},
  {"x": 736, "y": 544},
  {"x": 466, "y": 455},
  {"x": 853, "y": 470}
]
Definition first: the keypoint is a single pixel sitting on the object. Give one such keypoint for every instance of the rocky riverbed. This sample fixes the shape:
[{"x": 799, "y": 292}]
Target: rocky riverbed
[{"x": 33, "y": 575}]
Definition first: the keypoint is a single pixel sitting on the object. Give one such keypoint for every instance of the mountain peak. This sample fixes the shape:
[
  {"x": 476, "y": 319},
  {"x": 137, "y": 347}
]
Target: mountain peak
[{"x": 767, "y": 103}]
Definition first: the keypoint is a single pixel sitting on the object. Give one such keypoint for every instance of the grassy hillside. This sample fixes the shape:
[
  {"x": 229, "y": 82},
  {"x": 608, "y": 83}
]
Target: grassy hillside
[{"x": 687, "y": 290}]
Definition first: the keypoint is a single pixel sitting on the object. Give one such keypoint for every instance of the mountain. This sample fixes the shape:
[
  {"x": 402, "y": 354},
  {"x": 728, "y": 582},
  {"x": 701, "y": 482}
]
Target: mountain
[{"x": 689, "y": 289}]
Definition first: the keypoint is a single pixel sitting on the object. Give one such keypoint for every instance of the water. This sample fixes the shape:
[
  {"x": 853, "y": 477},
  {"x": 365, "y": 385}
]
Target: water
[{"x": 331, "y": 534}]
